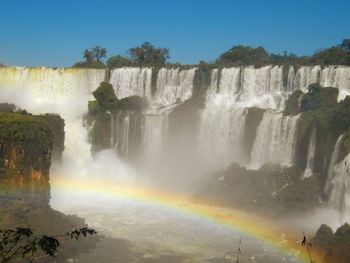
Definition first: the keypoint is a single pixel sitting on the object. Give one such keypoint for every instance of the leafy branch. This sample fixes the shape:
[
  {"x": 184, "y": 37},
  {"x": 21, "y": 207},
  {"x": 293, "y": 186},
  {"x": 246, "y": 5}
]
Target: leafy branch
[{"x": 23, "y": 243}]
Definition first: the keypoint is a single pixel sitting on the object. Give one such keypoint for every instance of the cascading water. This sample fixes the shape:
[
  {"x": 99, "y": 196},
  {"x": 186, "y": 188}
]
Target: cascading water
[
  {"x": 155, "y": 130},
  {"x": 340, "y": 193},
  {"x": 132, "y": 81},
  {"x": 174, "y": 86},
  {"x": 125, "y": 135},
  {"x": 337, "y": 77},
  {"x": 331, "y": 76},
  {"x": 305, "y": 76},
  {"x": 262, "y": 87},
  {"x": 275, "y": 141},
  {"x": 222, "y": 121},
  {"x": 310, "y": 155},
  {"x": 62, "y": 91},
  {"x": 331, "y": 168},
  {"x": 337, "y": 186}
]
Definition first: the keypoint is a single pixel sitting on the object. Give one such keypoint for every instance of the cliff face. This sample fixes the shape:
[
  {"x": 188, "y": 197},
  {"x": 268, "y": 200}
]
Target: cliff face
[
  {"x": 27, "y": 143},
  {"x": 271, "y": 189},
  {"x": 25, "y": 157},
  {"x": 115, "y": 123},
  {"x": 333, "y": 246}
]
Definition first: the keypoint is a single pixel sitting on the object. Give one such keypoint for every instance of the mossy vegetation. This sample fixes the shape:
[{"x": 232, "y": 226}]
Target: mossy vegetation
[{"x": 27, "y": 132}]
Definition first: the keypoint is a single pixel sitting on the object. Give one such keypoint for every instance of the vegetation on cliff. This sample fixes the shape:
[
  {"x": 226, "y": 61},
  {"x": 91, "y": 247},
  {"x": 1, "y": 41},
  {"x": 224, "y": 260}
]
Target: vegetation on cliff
[
  {"x": 145, "y": 55},
  {"x": 108, "y": 116},
  {"x": 320, "y": 109},
  {"x": 148, "y": 55},
  {"x": 26, "y": 132}
]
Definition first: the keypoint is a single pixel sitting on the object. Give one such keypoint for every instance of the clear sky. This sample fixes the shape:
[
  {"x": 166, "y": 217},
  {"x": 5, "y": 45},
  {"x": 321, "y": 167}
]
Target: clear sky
[{"x": 55, "y": 32}]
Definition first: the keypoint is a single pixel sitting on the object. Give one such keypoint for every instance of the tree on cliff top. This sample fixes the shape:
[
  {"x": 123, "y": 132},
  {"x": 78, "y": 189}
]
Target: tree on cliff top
[
  {"x": 93, "y": 58},
  {"x": 118, "y": 61},
  {"x": 243, "y": 55},
  {"x": 149, "y": 55}
]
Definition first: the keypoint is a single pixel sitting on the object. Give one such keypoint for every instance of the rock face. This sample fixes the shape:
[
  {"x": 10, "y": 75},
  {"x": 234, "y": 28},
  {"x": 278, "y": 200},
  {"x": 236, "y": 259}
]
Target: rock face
[
  {"x": 115, "y": 123},
  {"x": 335, "y": 247},
  {"x": 293, "y": 103},
  {"x": 271, "y": 189},
  {"x": 25, "y": 150},
  {"x": 26, "y": 147}
]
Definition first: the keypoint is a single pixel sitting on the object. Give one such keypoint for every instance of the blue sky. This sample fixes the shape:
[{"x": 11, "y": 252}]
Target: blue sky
[{"x": 55, "y": 32}]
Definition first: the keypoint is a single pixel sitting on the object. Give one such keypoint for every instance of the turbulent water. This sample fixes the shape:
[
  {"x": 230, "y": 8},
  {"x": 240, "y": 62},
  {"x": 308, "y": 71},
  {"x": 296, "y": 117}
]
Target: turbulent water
[{"x": 220, "y": 139}]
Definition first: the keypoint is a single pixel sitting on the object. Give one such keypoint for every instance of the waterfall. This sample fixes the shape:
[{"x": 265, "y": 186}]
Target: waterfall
[
  {"x": 340, "y": 193},
  {"x": 64, "y": 91},
  {"x": 174, "y": 86},
  {"x": 310, "y": 155},
  {"x": 290, "y": 80},
  {"x": 337, "y": 186},
  {"x": 125, "y": 135},
  {"x": 337, "y": 77},
  {"x": 155, "y": 130},
  {"x": 275, "y": 141},
  {"x": 222, "y": 122},
  {"x": 305, "y": 76},
  {"x": 231, "y": 92},
  {"x": 330, "y": 76},
  {"x": 262, "y": 87},
  {"x": 112, "y": 139},
  {"x": 132, "y": 81},
  {"x": 331, "y": 168}
]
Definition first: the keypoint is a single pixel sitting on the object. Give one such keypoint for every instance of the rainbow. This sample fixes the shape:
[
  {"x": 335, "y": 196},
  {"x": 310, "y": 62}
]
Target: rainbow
[{"x": 254, "y": 226}]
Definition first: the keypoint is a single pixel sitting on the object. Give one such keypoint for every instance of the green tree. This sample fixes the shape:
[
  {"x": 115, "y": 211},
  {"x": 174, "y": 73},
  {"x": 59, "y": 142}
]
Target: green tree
[
  {"x": 98, "y": 53},
  {"x": 331, "y": 56},
  {"x": 243, "y": 55},
  {"x": 93, "y": 58},
  {"x": 345, "y": 45},
  {"x": 118, "y": 62},
  {"x": 149, "y": 55}
]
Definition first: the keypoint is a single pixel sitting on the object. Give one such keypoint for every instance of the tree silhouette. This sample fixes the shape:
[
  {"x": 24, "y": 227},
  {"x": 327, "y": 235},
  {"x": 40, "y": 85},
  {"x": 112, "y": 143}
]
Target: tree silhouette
[
  {"x": 306, "y": 243},
  {"x": 23, "y": 243}
]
